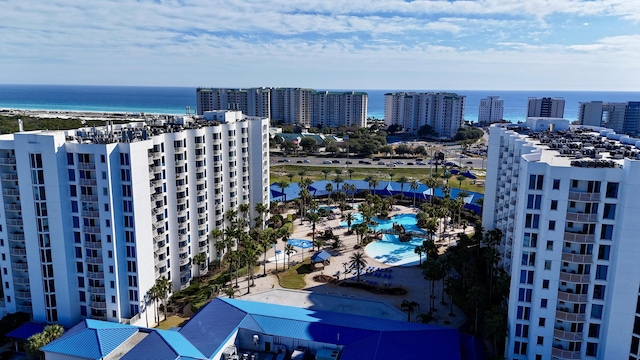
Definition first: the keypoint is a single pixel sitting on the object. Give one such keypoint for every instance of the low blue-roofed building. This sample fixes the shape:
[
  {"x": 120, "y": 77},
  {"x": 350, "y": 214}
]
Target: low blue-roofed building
[
  {"x": 321, "y": 256},
  {"x": 19, "y": 336},
  {"x": 225, "y": 327}
]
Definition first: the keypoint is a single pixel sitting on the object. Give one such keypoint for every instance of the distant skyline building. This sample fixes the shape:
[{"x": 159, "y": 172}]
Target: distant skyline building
[
  {"x": 305, "y": 107},
  {"x": 442, "y": 111},
  {"x": 621, "y": 117},
  {"x": 491, "y": 109},
  {"x": 566, "y": 203},
  {"x": 545, "y": 107},
  {"x": 91, "y": 217}
]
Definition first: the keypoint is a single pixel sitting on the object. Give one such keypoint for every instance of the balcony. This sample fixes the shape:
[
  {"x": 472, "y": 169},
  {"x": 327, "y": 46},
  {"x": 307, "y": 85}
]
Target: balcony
[
  {"x": 98, "y": 304},
  {"x": 10, "y": 177},
  {"x": 16, "y": 237},
  {"x": 11, "y": 192},
  {"x": 155, "y": 169},
  {"x": 570, "y": 296},
  {"x": 99, "y": 317},
  {"x": 7, "y": 161},
  {"x": 566, "y": 335},
  {"x": 95, "y": 274},
  {"x": 565, "y": 354},
  {"x": 583, "y": 196},
  {"x": 94, "y": 260},
  {"x": 571, "y": 317},
  {"x": 184, "y": 261},
  {"x": 20, "y": 266},
  {"x": 156, "y": 182},
  {"x": 93, "y": 244},
  {"x": 574, "y": 278},
  {"x": 18, "y": 251},
  {"x": 89, "y": 198},
  {"x": 14, "y": 222},
  {"x": 580, "y": 217},
  {"x": 579, "y": 238},
  {"x": 21, "y": 280},
  {"x": 157, "y": 196},
  {"x": 96, "y": 289},
  {"x": 576, "y": 258},
  {"x": 84, "y": 165},
  {"x": 24, "y": 308},
  {"x": 90, "y": 214},
  {"x": 91, "y": 229},
  {"x": 23, "y": 294},
  {"x": 13, "y": 207},
  {"x": 88, "y": 182}
]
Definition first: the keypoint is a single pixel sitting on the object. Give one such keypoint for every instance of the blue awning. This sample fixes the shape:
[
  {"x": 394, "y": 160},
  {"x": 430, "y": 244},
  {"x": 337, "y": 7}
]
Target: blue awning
[{"x": 321, "y": 256}]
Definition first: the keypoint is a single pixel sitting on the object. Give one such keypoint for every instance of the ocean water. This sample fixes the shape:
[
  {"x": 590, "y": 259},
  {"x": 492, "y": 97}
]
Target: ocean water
[{"x": 175, "y": 100}]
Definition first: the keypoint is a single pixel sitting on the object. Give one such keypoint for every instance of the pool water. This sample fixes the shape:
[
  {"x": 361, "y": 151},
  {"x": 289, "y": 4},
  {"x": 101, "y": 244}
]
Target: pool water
[
  {"x": 390, "y": 250},
  {"x": 304, "y": 244}
]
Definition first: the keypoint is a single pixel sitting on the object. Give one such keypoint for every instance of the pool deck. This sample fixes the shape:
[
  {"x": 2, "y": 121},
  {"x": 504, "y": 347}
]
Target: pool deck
[{"x": 408, "y": 277}]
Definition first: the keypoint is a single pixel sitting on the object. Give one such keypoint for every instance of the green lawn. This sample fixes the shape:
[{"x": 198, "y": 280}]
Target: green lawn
[
  {"x": 172, "y": 321},
  {"x": 279, "y": 173},
  {"x": 293, "y": 278}
]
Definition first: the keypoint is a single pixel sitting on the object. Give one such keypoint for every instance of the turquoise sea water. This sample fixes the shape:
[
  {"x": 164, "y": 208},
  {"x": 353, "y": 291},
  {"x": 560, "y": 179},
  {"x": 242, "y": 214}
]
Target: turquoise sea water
[{"x": 174, "y": 100}]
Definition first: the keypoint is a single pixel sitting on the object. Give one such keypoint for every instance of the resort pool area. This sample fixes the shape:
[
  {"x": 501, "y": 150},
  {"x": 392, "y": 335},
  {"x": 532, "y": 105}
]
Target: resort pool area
[{"x": 390, "y": 250}]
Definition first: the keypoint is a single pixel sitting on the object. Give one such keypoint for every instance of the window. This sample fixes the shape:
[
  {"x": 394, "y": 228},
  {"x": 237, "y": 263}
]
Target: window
[
  {"x": 603, "y": 252},
  {"x": 545, "y": 284},
  {"x": 594, "y": 330},
  {"x": 541, "y": 322},
  {"x": 598, "y": 292},
  {"x": 612, "y": 190},
  {"x": 110, "y": 269},
  {"x": 113, "y": 299},
  {"x": 535, "y": 182},
  {"x": 79, "y": 267},
  {"x": 112, "y": 284},
  {"x": 526, "y": 277},
  {"x": 69, "y": 158},
  {"x": 596, "y": 311},
  {"x": 540, "y": 342},
  {"x": 547, "y": 264},
  {"x": 82, "y": 296},
  {"x": 609, "y": 211},
  {"x": 73, "y": 191},
  {"x": 106, "y": 207},
  {"x": 554, "y": 204},
  {"x": 543, "y": 303},
  {"x": 552, "y": 224},
  {"x": 556, "y": 184},
  {"x": 530, "y": 240},
  {"x": 532, "y": 221},
  {"x": 524, "y": 295},
  {"x": 80, "y": 281},
  {"x": 606, "y": 232},
  {"x": 520, "y": 348},
  {"x": 107, "y": 223},
  {"x": 72, "y": 175},
  {"x": 534, "y": 201},
  {"x": 522, "y": 330},
  {"x": 110, "y": 254},
  {"x": 549, "y": 245},
  {"x": 523, "y": 312},
  {"x": 78, "y": 252},
  {"x": 528, "y": 258},
  {"x": 592, "y": 349},
  {"x": 601, "y": 272}
]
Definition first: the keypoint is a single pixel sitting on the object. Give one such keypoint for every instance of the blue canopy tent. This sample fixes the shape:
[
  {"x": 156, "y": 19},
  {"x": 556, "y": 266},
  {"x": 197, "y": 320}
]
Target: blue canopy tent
[{"x": 320, "y": 257}]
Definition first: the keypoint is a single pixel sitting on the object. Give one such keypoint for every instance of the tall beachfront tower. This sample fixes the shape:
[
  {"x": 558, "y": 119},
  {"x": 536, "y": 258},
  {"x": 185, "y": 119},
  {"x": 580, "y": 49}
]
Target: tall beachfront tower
[
  {"x": 442, "y": 111},
  {"x": 91, "y": 217},
  {"x": 545, "y": 107},
  {"x": 567, "y": 202},
  {"x": 305, "y": 107},
  {"x": 491, "y": 109}
]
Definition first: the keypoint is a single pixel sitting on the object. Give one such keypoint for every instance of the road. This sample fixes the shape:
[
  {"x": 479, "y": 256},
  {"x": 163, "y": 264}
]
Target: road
[{"x": 450, "y": 156}]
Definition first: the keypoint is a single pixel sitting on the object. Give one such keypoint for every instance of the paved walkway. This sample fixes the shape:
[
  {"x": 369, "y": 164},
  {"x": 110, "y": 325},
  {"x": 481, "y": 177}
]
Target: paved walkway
[{"x": 409, "y": 277}]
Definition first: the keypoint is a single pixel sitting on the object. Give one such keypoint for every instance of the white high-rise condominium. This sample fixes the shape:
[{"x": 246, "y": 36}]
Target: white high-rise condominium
[
  {"x": 567, "y": 203},
  {"x": 444, "y": 112},
  {"x": 491, "y": 109},
  {"x": 545, "y": 107},
  {"x": 92, "y": 217},
  {"x": 306, "y": 107}
]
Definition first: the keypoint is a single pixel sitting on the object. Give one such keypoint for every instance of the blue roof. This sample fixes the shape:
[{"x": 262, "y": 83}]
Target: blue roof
[
  {"x": 25, "y": 331},
  {"x": 320, "y": 256},
  {"x": 91, "y": 339},
  {"x": 164, "y": 344}
]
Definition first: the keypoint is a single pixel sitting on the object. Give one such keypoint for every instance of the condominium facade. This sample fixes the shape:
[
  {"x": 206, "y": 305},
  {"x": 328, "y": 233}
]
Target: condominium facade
[
  {"x": 567, "y": 202},
  {"x": 305, "y": 107},
  {"x": 545, "y": 107},
  {"x": 622, "y": 117},
  {"x": 491, "y": 109},
  {"x": 91, "y": 217},
  {"x": 442, "y": 111}
]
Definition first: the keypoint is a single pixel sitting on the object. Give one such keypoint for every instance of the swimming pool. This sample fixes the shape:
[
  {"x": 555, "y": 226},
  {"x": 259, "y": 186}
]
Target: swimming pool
[
  {"x": 390, "y": 250},
  {"x": 304, "y": 244}
]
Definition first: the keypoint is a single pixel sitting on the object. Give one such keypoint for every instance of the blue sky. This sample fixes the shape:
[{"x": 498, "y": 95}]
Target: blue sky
[{"x": 346, "y": 44}]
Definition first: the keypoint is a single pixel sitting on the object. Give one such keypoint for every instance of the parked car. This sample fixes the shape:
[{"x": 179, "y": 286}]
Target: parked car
[
  {"x": 306, "y": 161},
  {"x": 399, "y": 162},
  {"x": 285, "y": 160},
  {"x": 299, "y": 162},
  {"x": 469, "y": 162},
  {"x": 336, "y": 161},
  {"x": 421, "y": 163},
  {"x": 391, "y": 165},
  {"x": 327, "y": 162},
  {"x": 380, "y": 162},
  {"x": 348, "y": 163},
  {"x": 410, "y": 163}
]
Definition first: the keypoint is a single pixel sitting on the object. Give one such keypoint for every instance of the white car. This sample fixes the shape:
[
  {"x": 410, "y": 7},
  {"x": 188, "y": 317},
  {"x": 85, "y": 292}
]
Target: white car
[
  {"x": 420, "y": 163},
  {"x": 391, "y": 165},
  {"x": 327, "y": 162}
]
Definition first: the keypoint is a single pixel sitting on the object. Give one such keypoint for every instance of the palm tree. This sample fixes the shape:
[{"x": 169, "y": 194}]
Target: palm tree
[
  {"x": 418, "y": 250},
  {"x": 403, "y": 180},
  {"x": 164, "y": 287},
  {"x": 230, "y": 292},
  {"x": 373, "y": 183},
  {"x": 244, "y": 210},
  {"x": 302, "y": 173},
  {"x": 415, "y": 184},
  {"x": 338, "y": 180},
  {"x": 358, "y": 261},
  {"x": 432, "y": 271},
  {"x": 325, "y": 172},
  {"x": 329, "y": 189},
  {"x": 250, "y": 254},
  {"x": 350, "y": 171},
  {"x": 409, "y": 306},
  {"x": 318, "y": 243},
  {"x": 349, "y": 219},
  {"x": 290, "y": 176},
  {"x": 154, "y": 295},
  {"x": 460, "y": 179},
  {"x": 288, "y": 250},
  {"x": 283, "y": 185},
  {"x": 216, "y": 234},
  {"x": 475, "y": 297},
  {"x": 198, "y": 260},
  {"x": 431, "y": 182},
  {"x": 391, "y": 175},
  {"x": 266, "y": 239}
]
